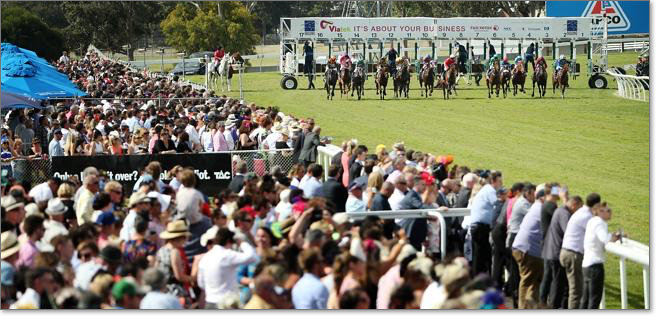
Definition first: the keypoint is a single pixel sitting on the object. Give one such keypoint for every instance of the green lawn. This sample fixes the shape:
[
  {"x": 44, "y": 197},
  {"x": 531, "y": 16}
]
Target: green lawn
[{"x": 593, "y": 141}]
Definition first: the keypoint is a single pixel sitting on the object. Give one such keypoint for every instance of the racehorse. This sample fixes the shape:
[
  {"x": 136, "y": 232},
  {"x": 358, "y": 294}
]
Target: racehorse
[
  {"x": 426, "y": 78},
  {"x": 518, "y": 78},
  {"x": 402, "y": 81},
  {"x": 449, "y": 82},
  {"x": 560, "y": 80},
  {"x": 540, "y": 78},
  {"x": 505, "y": 78},
  {"x": 381, "y": 82},
  {"x": 330, "y": 82},
  {"x": 344, "y": 81},
  {"x": 493, "y": 80},
  {"x": 357, "y": 82}
]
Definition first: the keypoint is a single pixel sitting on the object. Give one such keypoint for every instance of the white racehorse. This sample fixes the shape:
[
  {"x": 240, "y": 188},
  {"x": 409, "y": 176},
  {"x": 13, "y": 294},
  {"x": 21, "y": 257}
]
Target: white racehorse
[{"x": 218, "y": 73}]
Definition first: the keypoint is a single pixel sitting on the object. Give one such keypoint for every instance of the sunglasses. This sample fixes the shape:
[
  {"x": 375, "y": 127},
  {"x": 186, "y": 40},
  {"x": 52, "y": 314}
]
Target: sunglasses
[{"x": 248, "y": 220}]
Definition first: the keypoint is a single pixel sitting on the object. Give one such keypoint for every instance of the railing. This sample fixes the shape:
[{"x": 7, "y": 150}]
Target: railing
[
  {"x": 324, "y": 157},
  {"x": 419, "y": 214},
  {"x": 636, "y": 252},
  {"x": 630, "y": 87}
]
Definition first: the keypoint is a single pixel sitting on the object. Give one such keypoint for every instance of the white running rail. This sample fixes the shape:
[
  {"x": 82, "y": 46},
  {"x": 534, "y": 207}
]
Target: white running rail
[
  {"x": 630, "y": 87},
  {"x": 635, "y": 252}
]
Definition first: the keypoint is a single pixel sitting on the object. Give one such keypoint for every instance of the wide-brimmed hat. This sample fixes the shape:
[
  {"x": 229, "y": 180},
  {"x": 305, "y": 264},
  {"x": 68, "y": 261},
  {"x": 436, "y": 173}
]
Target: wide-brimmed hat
[
  {"x": 174, "y": 230},
  {"x": 10, "y": 203},
  {"x": 229, "y": 124},
  {"x": 137, "y": 198},
  {"x": 163, "y": 199},
  {"x": 10, "y": 244},
  {"x": 32, "y": 209}
]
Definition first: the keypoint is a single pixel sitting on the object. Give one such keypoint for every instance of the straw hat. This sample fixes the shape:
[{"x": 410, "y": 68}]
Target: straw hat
[
  {"x": 10, "y": 244},
  {"x": 175, "y": 229},
  {"x": 55, "y": 207}
]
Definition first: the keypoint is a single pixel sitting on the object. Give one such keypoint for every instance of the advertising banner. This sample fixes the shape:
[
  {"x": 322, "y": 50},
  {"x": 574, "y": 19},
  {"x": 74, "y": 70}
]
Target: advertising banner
[
  {"x": 213, "y": 170},
  {"x": 445, "y": 28},
  {"x": 623, "y": 17}
]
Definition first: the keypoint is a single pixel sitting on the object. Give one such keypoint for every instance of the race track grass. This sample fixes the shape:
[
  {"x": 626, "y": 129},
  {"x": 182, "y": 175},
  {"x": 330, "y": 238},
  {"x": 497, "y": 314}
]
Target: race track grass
[{"x": 593, "y": 141}]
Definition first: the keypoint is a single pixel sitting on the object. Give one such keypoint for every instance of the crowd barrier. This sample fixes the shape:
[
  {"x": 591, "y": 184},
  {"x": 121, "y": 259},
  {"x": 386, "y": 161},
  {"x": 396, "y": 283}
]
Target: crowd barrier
[
  {"x": 630, "y": 87},
  {"x": 634, "y": 251}
]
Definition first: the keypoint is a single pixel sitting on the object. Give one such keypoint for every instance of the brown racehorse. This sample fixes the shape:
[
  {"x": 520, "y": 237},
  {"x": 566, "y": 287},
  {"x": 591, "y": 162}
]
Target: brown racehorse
[
  {"x": 344, "y": 81},
  {"x": 505, "y": 78},
  {"x": 518, "y": 78},
  {"x": 449, "y": 82},
  {"x": 381, "y": 81},
  {"x": 493, "y": 80},
  {"x": 426, "y": 78},
  {"x": 539, "y": 79},
  {"x": 560, "y": 80},
  {"x": 402, "y": 81}
]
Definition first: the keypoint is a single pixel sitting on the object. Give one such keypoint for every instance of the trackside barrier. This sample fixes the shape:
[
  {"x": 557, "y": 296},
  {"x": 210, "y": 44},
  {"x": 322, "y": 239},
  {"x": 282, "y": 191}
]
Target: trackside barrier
[
  {"x": 324, "y": 157},
  {"x": 636, "y": 252},
  {"x": 630, "y": 87},
  {"x": 418, "y": 214}
]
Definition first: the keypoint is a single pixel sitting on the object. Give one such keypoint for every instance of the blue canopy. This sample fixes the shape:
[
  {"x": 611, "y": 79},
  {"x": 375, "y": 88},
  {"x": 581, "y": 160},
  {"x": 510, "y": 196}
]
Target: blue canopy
[
  {"x": 25, "y": 73},
  {"x": 11, "y": 100}
]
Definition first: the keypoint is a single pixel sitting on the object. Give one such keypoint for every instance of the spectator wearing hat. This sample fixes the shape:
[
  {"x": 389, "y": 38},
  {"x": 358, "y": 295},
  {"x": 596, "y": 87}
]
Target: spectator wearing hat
[
  {"x": 354, "y": 203},
  {"x": 125, "y": 294},
  {"x": 171, "y": 258},
  {"x": 14, "y": 211},
  {"x": 84, "y": 208},
  {"x": 139, "y": 204},
  {"x": 526, "y": 250},
  {"x": 54, "y": 226},
  {"x": 10, "y": 248},
  {"x": 34, "y": 229},
  {"x": 55, "y": 148},
  {"x": 217, "y": 269},
  {"x": 109, "y": 260},
  {"x": 483, "y": 215},
  {"x": 572, "y": 249},
  {"x": 309, "y": 292},
  {"x": 156, "y": 298},
  {"x": 557, "y": 293},
  {"x": 333, "y": 190}
]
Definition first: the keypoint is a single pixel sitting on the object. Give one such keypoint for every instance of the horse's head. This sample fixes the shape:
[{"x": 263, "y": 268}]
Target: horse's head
[{"x": 565, "y": 68}]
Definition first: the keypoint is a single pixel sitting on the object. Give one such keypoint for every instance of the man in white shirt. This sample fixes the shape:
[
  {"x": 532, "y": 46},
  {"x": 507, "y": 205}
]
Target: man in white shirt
[
  {"x": 64, "y": 58},
  {"x": 595, "y": 239},
  {"x": 399, "y": 193},
  {"x": 192, "y": 134},
  {"x": 217, "y": 269},
  {"x": 572, "y": 249},
  {"x": 354, "y": 202},
  {"x": 44, "y": 191},
  {"x": 228, "y": 137}
]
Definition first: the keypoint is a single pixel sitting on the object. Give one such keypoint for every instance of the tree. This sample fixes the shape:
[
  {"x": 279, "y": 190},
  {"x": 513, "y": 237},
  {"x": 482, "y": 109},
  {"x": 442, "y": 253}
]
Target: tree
[
  {"x": 114, "y": 25},
  {"x": 26, "y": 30},
  {"x": 200, "y": 28}
]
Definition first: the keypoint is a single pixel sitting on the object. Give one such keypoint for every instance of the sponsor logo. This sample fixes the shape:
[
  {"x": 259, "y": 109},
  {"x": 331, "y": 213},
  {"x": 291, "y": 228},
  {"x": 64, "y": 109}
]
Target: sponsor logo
[
  {"x": 507, "y": 28},
  {"x": 310, "y": 27},
  {"x": 451, "y": 28},
  {"x": 571, "y": 27},
  {"x": 495, "y": 28},
  {"x": 329, "y": 25},
  {"x": 616, "y": 18}
]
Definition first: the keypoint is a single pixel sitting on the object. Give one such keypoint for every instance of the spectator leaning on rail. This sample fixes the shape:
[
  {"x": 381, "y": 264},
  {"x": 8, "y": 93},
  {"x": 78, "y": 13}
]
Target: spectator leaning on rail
[
  {"x": 482, "y": 215},
  {"x": 572, "y": 249}
]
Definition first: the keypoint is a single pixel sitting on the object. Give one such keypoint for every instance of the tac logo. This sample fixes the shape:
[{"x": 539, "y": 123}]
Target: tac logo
[{"x": 616, "y": 18}]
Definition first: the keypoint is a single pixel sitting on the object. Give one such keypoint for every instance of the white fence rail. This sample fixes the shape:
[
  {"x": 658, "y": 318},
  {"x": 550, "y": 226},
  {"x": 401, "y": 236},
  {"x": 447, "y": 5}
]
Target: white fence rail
[
  {"x": 635, "y": 252},
  {"x": 630, "y": 87},
  {"x": 441, "y": 215},
  {"x": 324, "y": 157}
]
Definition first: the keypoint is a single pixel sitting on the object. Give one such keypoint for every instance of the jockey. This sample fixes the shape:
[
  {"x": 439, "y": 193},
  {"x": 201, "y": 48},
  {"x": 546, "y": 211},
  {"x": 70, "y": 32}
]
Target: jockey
[
  {"x": 426, "y": 62},
  {"x": 505, "y": 63},
  {"x": 560, "y": 63},
  {"x": 382, "y": 63},
  {"x": 541, "y": 61},
  {"x": 360, "y": 63},
  {"x": 345, "y": 62},
  {"x": 332, "y": 63},
  {"x": 218, "y": 54},
  {"x": 494, "y": 60},
  {"x": 448, "y": 63}
]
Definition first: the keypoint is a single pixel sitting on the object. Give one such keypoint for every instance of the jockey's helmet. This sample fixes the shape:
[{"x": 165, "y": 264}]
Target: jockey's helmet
[
  {"x": 562, "y": 57},
  {"x": 506, "y": 59},
  {"x": 428, "y": 56}
]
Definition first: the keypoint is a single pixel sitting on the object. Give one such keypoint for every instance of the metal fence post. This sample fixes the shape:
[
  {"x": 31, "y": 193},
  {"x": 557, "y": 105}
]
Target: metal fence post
[{"x": 624, "y": 283}]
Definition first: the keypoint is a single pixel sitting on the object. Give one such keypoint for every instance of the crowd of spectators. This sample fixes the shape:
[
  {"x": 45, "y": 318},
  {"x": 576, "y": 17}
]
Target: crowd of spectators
[{"x": 282, "y": 239}]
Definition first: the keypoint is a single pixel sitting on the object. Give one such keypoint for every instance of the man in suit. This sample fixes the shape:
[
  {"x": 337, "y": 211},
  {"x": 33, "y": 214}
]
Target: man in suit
[
  {"x": 333, "y": 190},
  {"x": 236, "y": 183},
  {"x": 416, "y": 229},
  {"x": 380, "y": 203},
  {"x": 312, "y": 141},
  {"x": 355, "y": 169}
]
